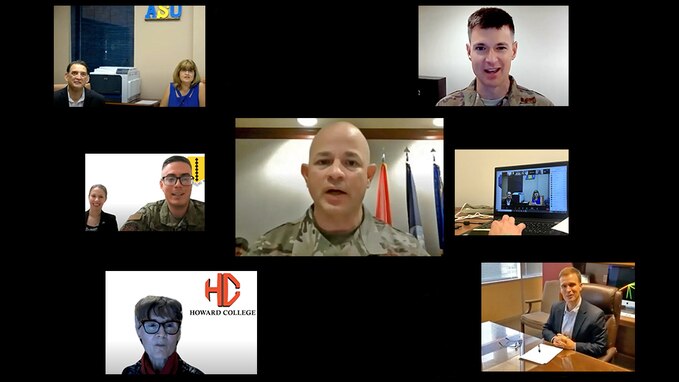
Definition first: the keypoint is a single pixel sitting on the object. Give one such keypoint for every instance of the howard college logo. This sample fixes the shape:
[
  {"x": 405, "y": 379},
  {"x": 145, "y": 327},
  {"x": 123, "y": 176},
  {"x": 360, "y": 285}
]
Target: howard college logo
[{"x": 222, "y": 289}]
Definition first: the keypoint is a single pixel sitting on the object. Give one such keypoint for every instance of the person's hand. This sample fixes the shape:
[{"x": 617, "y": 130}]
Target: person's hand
[
  {"x": 563, "y": 342},
  {"x": 506, "y": 226}
]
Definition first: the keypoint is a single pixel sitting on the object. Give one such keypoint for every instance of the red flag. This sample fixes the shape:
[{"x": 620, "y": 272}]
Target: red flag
[{"x": 383, "y": 209}]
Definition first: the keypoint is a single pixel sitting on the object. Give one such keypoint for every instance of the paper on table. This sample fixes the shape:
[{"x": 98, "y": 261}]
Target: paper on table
[
  {"x": 146, "y": 102},
  {"x": 546, "y": 353},
  {"x": 563, "y": 226}
]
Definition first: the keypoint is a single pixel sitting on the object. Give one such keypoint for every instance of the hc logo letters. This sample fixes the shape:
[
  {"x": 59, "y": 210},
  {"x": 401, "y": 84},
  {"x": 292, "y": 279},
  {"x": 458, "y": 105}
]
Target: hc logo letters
[{"x": 222, "y": 289}]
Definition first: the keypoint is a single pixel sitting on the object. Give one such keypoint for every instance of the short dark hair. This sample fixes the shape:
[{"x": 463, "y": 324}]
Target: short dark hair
[
  {"x": 176, "y": 158},
  {"x": 241, "y": 242},
  {"x": 489, "y": 18},
  {"x": 160, "y": 305},
  {"x": 77, "y": 62}
]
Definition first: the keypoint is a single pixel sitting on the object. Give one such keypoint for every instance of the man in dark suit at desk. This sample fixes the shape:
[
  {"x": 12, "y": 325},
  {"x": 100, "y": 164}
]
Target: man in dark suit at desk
[
  {"x": 575, "y": 324},
  {"x": 75, "y": 94}
]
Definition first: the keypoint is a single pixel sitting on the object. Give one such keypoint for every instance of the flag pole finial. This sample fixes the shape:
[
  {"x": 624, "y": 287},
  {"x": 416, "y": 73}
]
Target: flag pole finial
[
  {"x": 433, "y": 154},
  {"x": 406, "y": 151},
  {"x": 383, "y": 156}
]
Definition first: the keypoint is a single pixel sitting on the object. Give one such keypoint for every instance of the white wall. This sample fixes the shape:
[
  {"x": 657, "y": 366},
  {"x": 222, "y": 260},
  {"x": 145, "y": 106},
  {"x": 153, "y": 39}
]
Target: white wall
[
  {"x": 541, "y": 62},
  {"x": 270, "y": 189},
  {"x": 474, "y": 170},
  {"x": 132, "y": 181}
]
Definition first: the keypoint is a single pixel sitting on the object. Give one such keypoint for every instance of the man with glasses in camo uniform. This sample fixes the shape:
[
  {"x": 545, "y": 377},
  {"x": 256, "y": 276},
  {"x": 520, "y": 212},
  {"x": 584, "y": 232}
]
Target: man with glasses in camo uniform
[
  {"x": 177, "y": 212},
  {"x": 158, "y": 321}
]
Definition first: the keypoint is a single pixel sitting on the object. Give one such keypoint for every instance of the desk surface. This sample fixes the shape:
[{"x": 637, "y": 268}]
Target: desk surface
[
  {"x": 141, "y": 102},
  {"x": 496, "y": 357},
  {"x": 466, "y": 228},
  {"x": 628, "y": 321}
]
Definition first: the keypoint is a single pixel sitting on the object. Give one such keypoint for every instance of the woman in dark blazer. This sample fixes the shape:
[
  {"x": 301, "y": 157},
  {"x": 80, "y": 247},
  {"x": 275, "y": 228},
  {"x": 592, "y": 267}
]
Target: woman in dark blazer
[{"x": 96, "y": 219}]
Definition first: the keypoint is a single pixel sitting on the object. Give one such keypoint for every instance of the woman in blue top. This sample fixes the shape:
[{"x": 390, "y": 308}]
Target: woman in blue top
[
  {"x": 185, "y": 90},
  {"x": 537, "y": 199}
]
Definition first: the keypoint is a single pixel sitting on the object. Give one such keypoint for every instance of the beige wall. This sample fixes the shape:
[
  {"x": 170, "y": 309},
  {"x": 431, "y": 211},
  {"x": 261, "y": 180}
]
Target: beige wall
[
  {"x": 474, "y": 170},
  {"x": 503, "y": 300},
  {"x": 158, "y": 46},
  {"x": 62, "y": 41}
]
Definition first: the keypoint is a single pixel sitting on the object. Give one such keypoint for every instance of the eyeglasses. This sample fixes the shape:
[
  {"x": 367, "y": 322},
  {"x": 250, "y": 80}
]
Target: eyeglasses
[
  {"x": 152, "y": 326},
  {"x": 511, "y": 343},
  {"x": 171, "y": 180}
]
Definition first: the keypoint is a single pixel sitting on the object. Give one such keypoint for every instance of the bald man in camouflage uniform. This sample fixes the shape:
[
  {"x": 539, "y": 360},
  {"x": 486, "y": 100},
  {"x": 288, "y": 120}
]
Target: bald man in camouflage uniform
[
  {"x": 177, "y": 212},
  {"x": 337, "y": 224},
  {"x": 491, "y": 50}
]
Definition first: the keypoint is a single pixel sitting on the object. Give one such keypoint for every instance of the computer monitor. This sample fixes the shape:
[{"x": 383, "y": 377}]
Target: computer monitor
[
  {"x": 622, "y": 278},
  {"x": 532, "y": 190}
]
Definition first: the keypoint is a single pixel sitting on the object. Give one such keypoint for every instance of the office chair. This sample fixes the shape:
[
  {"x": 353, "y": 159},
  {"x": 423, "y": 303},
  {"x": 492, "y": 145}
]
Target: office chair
[
  {"x": 536, "y": 320},
  {"x": 608, "y": 299}
]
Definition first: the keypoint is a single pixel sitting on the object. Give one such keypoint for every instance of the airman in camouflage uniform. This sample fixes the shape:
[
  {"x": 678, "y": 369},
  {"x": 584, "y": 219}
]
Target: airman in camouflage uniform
[
  {"x": 303, "y": 238},
  {"x": 337, "y": 224},
  {"x": 178, "y": 212},
  {"x": 517, "y": 96},
  {"x": 491, "y": 50},
  {"x": 156, "y": 216}
]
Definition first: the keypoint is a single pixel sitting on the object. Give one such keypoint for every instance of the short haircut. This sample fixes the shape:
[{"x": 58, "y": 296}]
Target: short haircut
[
  {"x": 176, "y": 158},
  {"x": 489, "y": 18},
  {"x": 186, "y": 65},
  {"x": 161, "y": 306},
  {"x": 569, "y": 271},
  {"x": 99, "y": 186},
  {"x": 241, "y": 242},
  {"x": 77, "y": 62}
]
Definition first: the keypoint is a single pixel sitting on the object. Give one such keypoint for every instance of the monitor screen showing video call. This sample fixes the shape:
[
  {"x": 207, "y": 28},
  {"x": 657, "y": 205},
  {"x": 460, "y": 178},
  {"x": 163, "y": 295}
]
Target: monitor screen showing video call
[{"x": 539, "y": 189}]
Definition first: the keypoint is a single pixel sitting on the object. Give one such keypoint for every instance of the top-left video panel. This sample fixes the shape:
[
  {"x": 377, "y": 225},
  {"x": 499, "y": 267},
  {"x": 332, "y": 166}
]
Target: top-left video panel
[{"x": 129, "y": 55}]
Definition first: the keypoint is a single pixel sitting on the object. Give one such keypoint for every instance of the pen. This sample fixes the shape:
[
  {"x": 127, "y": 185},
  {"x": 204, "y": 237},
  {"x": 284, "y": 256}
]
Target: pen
[{"x": 538, "y": 348}]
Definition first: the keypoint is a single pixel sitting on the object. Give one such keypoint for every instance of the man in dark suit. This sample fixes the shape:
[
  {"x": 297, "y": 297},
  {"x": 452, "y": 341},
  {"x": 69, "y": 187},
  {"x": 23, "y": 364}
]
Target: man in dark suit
[
  {"x": 75, "y": 94},
  {"x": 575, "y": 324}
]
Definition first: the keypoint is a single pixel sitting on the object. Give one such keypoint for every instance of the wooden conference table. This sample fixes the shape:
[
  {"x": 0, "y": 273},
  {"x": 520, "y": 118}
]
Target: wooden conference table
[{"x": 496, "y": 357}]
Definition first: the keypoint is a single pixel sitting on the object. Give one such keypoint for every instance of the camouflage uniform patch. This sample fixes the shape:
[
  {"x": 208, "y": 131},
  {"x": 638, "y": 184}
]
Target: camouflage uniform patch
[
  {"x": 156, "y": 216},
  {"x": 302, "y": 238},
  {"x": 517, "y": 96}
]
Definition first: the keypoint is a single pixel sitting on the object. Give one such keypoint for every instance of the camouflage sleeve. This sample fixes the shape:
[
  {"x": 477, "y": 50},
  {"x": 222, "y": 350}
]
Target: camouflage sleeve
[
  {"x": 453, "y": 99},
  {"x": 545, "y": 102},
  {"x": 256, "y": 249},
  {"x": 136, "y": 222},
  {"x": 421, "y": 251},
  {"x": 413, "y": 248},
  {"x": 262, "y": 247}
]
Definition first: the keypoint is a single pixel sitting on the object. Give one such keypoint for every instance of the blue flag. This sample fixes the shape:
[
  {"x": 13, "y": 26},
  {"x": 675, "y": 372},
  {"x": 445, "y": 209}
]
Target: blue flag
[
  {"x": 414, "y": 221},
  {"x": 438, "y": 198}
]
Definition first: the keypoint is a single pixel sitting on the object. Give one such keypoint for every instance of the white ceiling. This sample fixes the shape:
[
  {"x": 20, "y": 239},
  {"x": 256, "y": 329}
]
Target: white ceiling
[{"x": 361, "y": 123}]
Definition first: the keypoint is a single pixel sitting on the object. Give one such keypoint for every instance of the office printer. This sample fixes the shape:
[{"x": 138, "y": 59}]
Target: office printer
[{"x": 116, "y": 83}]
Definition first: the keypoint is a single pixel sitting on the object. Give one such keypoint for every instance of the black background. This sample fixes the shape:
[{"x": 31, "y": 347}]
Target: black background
[{"x": 374, "y": 317}]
